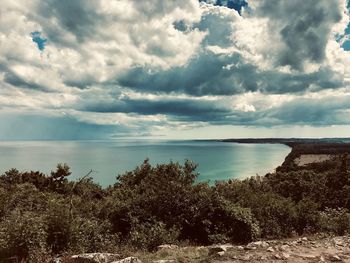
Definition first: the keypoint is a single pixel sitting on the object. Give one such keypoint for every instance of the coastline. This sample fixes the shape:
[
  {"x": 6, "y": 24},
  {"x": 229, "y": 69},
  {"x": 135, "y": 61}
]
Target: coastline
[{"x": 291, "y": 142}]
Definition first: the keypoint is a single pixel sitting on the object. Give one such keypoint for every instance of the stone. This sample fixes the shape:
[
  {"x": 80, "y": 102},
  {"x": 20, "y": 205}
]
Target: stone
[
  {"x": 240, "y": 248},
  {"x": 222, "y": 253},
  {"x": 277, "y": 256},
  {"x": 285, "y": 255},
  {"x": 246, "y": 258},
  {"x": 220, "y": 248},
  {"x": 304, "y": 239},
  {"x": 128, "y": 260},
  {"x": 263, "y": 244},
  {"x": 227, "y": 247},
  {"x": 284, "y": 247},
  {"x": 338, "y": 242},
  {"x": 164, "y": 261},
  {"x": 305, "y": 256},
  {"x": 97, "y": 257},
  {"x": 216, "y": 249},
  {"x": 322, "y": 259},
  {"x": 335, "y": 258},
  {"x": 167, "y": 246},
  {"x": 270, "y": 249}
]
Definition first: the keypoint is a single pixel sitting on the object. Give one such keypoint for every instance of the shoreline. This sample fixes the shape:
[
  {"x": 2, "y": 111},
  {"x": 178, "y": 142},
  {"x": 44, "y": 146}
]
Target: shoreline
[{"x": 291, "y": 142}]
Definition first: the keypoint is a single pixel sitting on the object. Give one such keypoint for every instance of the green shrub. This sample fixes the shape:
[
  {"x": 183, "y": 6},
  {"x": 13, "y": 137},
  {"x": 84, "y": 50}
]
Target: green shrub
[
  {"x": 23, "y": 234},
  {"x": 276, "y": 214},
  {"x": 335, "y": 221},
  {"x": 58, "y": 223},
  {"x": 149, "y": 235},
  {"x": 92, "y": 235},
  {"x": 232, "y": 223},
  {"x": 152, "y": 205},
  {"x": 307, "y": 217}
]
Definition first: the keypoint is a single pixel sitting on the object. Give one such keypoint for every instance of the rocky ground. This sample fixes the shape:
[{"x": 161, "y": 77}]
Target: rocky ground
[{"x": 331, "y": 249}]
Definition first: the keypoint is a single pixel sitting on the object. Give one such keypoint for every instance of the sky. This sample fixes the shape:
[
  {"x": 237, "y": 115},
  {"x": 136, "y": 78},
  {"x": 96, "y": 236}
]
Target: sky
[{"x": 109, "y": 69}]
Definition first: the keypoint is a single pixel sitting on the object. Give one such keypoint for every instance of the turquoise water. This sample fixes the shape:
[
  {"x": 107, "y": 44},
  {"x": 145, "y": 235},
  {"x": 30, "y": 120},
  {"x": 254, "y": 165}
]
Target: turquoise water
[{"x": 216, "y": 160}]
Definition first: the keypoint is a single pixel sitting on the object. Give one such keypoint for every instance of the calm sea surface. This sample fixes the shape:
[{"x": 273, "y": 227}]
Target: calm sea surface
[{"x": 216, "y": 160}]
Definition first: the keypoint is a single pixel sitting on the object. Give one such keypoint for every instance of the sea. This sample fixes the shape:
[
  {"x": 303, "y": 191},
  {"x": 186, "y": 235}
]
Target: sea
[{"x": 216, "y": 160}]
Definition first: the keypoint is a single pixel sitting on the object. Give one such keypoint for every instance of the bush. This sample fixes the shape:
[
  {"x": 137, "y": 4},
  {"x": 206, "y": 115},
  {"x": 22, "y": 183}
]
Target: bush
[
  {"x": 23, "y": 234},
  {"x": 153, "y": 205},
  {"x": 90, "y": 235},
  {"x": 232, "y": 223},
  {"x": 149, "y": 235},
  {"x": 276, "y": 214},
  {"x": 335, "y": 221}
]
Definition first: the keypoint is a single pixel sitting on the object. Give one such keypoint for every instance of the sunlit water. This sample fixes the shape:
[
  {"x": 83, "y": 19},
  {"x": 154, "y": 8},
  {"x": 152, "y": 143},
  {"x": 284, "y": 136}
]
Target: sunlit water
[{"x": 216, "y": 160}]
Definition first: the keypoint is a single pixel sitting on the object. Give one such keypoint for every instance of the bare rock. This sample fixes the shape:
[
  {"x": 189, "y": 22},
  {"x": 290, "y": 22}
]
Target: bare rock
[
  {"x": 128, "y": 260},
  {"x": 219, "y": 248},
  {"x": 262, "y": 244},
  {"x": 246, "y": 258},
  {"x": 304, "y": 256},
  {"x": 222, "y": 253},
  {"x": 164, "y": 261},
  {"x": 284, "y": 247},
  {"x": 263, "y": 257},
  {"x": 335, "y": 258},
  {"x": 285, "y": 255},
  {"x": 227, "y": 247},
  {"x": 96, "y": 257},
  {"x": 338, "y": 242},
  {"x": 167, "y": 246},
  {"x": 270, "y": 249},
  {"x": 216, "y": 249}
]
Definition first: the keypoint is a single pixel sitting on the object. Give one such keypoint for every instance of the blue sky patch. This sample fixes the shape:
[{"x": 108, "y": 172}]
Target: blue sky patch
[
  {"x": 40, "y": 41},
  {"x": 233, "y": 4},
  {"x": 346, "y": 45}
]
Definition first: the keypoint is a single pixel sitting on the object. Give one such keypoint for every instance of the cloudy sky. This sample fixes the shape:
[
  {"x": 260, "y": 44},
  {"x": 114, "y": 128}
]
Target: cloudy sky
[{"x": 100, "y": 69}]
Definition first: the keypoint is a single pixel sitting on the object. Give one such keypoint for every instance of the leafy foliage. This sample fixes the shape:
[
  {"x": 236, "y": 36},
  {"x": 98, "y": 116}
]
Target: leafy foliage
[{"x": 44, "y": 215}]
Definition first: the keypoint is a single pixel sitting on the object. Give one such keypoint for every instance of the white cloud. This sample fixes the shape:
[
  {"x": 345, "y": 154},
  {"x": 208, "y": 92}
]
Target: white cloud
[{"x": 208, "y": 64}]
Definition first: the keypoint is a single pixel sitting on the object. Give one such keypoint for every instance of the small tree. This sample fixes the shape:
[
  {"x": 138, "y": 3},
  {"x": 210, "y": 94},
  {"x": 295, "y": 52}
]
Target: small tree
[{"x": 59, "y": 177}]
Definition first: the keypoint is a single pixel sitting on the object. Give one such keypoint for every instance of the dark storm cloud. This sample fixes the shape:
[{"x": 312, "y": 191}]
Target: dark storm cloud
[
  {"x": 78, "y": 17},
  {"x": 325, "y": 111},
  {"x": 304, "y": 27},
  {"x": 212, "y": 74},
  {"x": 189, "y": 108},
  {"x": 300, "y": 111},
  {"x": 17, "y": 81},
  {"x": 205, "y": 75},
  {"x": 272, "y": 82}
]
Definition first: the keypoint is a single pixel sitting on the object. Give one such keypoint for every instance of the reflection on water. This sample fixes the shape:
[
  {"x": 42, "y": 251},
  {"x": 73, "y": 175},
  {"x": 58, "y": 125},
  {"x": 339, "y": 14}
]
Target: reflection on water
[{"x": 216, "y": 160}]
